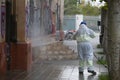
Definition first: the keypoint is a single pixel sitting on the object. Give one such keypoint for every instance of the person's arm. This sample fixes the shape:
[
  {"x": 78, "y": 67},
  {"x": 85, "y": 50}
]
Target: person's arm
[
  {"x": 74, "y": 37},
  {"x": 91, "y": 33}
]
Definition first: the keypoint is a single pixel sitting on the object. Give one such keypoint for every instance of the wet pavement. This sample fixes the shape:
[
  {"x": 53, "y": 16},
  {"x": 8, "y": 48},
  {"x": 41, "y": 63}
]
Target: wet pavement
[
  {"x": 52, "y": 70},
  {"x": 59, "y": 69}
]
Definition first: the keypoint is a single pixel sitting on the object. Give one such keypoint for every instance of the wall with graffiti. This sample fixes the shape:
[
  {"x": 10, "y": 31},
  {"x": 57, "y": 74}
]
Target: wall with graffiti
[
  {"x": 0, "y": 22},
  {"x": 38, "y": 18},
  {"x": 2, "y": 19},
  {"x": 43, "y": 17},
  {"x": 29, "y": 17}
]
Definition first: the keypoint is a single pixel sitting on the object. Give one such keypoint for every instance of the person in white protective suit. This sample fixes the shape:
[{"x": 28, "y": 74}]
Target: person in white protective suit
[{"x": 85, "y": 49}]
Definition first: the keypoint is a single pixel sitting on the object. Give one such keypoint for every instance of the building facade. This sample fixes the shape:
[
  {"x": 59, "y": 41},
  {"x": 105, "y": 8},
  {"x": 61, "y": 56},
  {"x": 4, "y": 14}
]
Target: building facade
[{"x": 21, "y": 22}]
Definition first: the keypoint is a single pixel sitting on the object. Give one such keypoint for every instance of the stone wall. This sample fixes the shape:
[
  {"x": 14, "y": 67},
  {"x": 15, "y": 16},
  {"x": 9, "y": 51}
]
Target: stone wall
[{"x": 54, "y": 51}]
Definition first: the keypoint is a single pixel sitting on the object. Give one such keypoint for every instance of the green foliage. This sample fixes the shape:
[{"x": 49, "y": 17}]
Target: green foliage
[
  {"x": 105, "y": 7},
  {"x": 100, "y": 0},
  {"x": 71, "y": 8},
  {"x": 102, "y": 62},
  {"x": 103, "y": 77},
  {"x": 99, "y": 46},
  {"x": 69, "y": 2},
  {"x": 100, "y": 52},
  {"x": 90, "y": 10}
]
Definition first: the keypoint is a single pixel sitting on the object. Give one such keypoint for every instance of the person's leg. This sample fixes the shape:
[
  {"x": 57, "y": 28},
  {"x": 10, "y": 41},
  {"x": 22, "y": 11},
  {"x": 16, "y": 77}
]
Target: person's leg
[
  {"x": 90, "y": 65},
  {"x": 89, "y": 58},
  {"x": 81, "y": 66},
  {"x": 81, "y": 58}
]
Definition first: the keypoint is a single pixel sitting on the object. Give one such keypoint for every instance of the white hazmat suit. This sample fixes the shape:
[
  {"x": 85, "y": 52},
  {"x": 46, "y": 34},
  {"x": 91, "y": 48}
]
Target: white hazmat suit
[{"x": 85, "y": 50}]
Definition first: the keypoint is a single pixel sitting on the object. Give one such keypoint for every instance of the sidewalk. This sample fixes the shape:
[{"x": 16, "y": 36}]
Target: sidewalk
[
  {"x": 57, "y": 69},
  {"x": 52, "y": 70}
]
